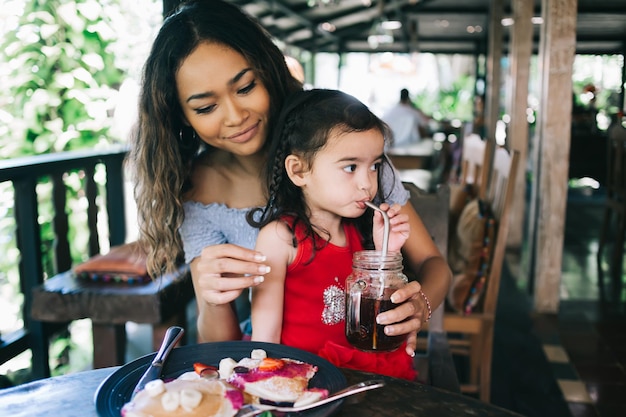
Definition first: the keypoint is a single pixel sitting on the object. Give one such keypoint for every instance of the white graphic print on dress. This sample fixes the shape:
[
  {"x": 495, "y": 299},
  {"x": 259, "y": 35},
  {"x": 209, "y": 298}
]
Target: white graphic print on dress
[{"x": 334, "y": 304}]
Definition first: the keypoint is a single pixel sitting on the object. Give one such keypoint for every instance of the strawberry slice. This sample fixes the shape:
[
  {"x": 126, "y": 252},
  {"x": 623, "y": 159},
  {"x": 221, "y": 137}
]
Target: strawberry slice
[
  {"x": 270, "y": 364},
  {"x": 203, "y": 369}
]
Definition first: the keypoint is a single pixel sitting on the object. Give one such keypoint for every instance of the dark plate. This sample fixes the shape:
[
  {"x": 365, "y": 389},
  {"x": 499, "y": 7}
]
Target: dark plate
[{"x": 115, "y": 391}]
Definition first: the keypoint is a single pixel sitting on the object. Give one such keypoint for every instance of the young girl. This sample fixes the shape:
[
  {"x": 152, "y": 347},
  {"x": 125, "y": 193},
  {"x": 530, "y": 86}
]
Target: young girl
[{"x": 323, "y": 166}]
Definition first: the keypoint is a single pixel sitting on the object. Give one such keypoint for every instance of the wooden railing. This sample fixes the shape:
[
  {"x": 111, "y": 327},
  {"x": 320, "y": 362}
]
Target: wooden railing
[{"x": 25, "y": 174}]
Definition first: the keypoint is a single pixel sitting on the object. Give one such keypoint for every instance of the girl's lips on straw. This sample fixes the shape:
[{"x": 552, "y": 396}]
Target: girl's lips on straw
[{"x": 362, "y": 204}]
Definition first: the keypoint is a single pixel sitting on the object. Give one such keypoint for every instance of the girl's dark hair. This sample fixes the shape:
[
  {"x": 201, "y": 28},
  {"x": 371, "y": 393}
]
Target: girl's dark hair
[
  {"x": 303, "y": 128},
  {"x": 164, "y": 148}
]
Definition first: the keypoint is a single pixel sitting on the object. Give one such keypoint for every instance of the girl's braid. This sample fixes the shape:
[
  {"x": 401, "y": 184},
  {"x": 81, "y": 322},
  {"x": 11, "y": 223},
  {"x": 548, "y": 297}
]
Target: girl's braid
[
  {"x": 275, "y": 170},
  {"x": 283, "y": 149}
]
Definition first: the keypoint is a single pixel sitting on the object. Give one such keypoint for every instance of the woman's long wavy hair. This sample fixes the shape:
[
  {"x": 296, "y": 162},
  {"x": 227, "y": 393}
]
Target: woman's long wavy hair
[
  {"x": 163, "y": 147},
  {"x": 303, "y": 128}
]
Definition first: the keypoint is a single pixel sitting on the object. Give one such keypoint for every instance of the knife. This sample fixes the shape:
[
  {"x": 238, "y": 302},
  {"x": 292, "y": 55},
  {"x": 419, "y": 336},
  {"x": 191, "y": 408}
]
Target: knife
[{"x": 172, "y": 336}]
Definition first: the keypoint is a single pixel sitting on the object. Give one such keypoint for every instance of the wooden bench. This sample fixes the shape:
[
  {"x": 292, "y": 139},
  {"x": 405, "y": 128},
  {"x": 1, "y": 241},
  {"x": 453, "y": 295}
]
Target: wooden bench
[{"x": 110, "y": 306}]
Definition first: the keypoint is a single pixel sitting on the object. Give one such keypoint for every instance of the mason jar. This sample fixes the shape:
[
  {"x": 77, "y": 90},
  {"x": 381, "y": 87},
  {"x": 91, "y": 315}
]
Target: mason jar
[{"x": 369, "y": 287}]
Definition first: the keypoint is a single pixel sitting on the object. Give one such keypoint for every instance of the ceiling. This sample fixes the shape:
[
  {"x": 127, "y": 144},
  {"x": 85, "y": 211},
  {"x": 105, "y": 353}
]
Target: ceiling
[{"x": 438, "y": 26}]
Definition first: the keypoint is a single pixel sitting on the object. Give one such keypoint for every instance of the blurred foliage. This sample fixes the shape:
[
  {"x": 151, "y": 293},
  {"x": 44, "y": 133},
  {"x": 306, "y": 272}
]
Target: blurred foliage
[
  {"x": 61, "y": 77},
  {"x": 62, "y": 65},
  {"x": 454, "y": 102}
]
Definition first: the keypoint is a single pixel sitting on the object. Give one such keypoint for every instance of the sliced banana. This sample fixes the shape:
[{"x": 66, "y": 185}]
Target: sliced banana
[
  {"x": 170, "y": 400},
  {"x": 154, "y": 388},
  {"x": 258, "y": 354},
  {"x": 189, "y": 376},
  {"x": 226, "y": 367},
  {"x": 190, "y": 398}
]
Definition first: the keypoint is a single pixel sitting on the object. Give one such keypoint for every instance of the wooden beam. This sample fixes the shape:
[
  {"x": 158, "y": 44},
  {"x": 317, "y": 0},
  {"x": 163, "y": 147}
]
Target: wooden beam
[
  {"x": 521, "y": 50},
  {"x": 552, "y": 145},
  {"x": 494, "y": 56}
]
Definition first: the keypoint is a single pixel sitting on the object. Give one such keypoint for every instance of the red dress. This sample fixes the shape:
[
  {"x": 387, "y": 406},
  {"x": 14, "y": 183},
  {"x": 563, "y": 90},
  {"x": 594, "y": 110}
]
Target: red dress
[{"x": 314, "y": 307}]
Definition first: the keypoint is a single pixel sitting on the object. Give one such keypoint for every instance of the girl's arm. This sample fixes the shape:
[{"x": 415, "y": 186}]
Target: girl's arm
[
  {"x": 268, "y": 297},
  {"x": 398, "y": 227}
]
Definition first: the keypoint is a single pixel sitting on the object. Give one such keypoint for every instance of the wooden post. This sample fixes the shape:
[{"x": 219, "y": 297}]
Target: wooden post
[
  {"x": 552, "y": 145},
  {"x": 521, "y": 50},
  {"x": 494, "y": 55}
]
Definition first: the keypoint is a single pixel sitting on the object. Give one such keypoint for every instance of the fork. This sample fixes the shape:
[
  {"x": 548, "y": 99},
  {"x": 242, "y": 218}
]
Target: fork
[{"x": 251, "y": 410}]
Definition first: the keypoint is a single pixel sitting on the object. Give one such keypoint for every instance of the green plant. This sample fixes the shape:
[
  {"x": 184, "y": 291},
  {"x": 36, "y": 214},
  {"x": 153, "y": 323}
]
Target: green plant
[
  {"x": 455, "y": 102},
  {"x": 59, "y": 77}
]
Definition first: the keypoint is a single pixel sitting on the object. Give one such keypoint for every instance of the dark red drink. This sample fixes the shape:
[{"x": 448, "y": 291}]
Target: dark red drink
[{"x": 369, "y": 335}]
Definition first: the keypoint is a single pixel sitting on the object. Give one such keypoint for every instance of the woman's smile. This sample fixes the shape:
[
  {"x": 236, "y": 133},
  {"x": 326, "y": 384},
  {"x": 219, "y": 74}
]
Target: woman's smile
[{"x": 246, "y": 134}]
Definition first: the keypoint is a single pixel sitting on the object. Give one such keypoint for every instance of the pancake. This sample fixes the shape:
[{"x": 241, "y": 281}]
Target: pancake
[
  {"x": 189, "y": 395},
  {"x": 279, "y": 380}
]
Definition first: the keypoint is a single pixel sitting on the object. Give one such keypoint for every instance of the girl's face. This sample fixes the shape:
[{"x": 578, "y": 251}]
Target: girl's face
[
  {"x": 223, "y": 99},
  {"x": 344, "y": 173}
]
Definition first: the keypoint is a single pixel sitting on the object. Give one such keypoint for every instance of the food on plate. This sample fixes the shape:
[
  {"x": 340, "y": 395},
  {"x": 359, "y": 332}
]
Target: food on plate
[
  {"x": 210, "y": 391},
  {"x": 279, "y": 380},
  {"x": 189, "y": 395}
]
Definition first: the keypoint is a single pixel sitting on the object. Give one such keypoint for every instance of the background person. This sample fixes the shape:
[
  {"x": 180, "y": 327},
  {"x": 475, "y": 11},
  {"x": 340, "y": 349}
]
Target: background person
[{"x": 405, "y": 121}]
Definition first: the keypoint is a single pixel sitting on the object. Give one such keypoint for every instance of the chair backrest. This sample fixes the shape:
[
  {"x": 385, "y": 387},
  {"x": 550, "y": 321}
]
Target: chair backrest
[
  {"x": 499, "y": 197},
  {"x": 475, "y": 158},
  {"x": 433, "y": 210}
]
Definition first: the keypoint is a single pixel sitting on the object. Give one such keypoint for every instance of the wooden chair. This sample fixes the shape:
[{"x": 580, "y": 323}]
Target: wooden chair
[
  {"x": 471, "y": 183},
  {"x": 435, "y": 366},
  {"x": 614, "y": 209},
  {"x": 475, "y": 157},
  {"x": 474, "y": 331}
]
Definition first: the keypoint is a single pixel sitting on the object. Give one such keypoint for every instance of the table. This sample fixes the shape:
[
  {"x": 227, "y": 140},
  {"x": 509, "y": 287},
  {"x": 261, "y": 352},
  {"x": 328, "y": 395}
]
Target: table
[
  {"x": 161, "y": 302},
  {"x": 72, "y": 396},
  {"x": 414, "y": 156}
]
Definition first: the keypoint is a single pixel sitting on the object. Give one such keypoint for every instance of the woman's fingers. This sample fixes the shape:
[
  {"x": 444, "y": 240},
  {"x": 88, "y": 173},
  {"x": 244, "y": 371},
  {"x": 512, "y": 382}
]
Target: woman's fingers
[
  {"x": 411, "y": 344},
  {"x": 407, "y": 317},
  {"x": 219, "y": 297},
  {"x": 222, "y": 272},
  {"x": 232, "y": 259}
]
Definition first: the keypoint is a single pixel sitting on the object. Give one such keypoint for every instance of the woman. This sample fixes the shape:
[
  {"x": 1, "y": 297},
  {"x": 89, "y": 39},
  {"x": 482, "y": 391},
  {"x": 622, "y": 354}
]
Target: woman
[{"x": 212, "y": 86}]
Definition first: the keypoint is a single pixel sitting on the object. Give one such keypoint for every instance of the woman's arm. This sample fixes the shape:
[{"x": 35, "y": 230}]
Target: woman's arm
[
  {"x": 268, "y": 297},
  {"x": 219, "y": 276},
  {"x": 423, "y": 257}
]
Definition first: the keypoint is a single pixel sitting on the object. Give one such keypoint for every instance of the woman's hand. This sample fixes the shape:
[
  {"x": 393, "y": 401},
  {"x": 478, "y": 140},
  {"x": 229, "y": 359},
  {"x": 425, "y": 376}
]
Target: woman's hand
[
  {"x": 222, "y": 272},
  {"x": 412, "y": 308},
  {"x": 398, "y": 227},
  {"x": 219, "y": 275}
]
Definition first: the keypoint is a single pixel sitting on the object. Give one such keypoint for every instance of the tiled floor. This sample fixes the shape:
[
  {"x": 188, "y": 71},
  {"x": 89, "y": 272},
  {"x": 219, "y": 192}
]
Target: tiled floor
[
  {"x": 592, "y": 330},
  {"x": 585, "y": 343}
]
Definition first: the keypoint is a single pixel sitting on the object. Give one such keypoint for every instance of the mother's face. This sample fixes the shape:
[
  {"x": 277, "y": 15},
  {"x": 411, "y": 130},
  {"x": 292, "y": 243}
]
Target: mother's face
[{"x": 223, "y": 99}]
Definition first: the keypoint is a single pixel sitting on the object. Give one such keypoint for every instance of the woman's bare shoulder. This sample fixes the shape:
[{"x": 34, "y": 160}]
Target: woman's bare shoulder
[
  {"x": 213, "y": 180},
  {"x": 207, "y": 178}
]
